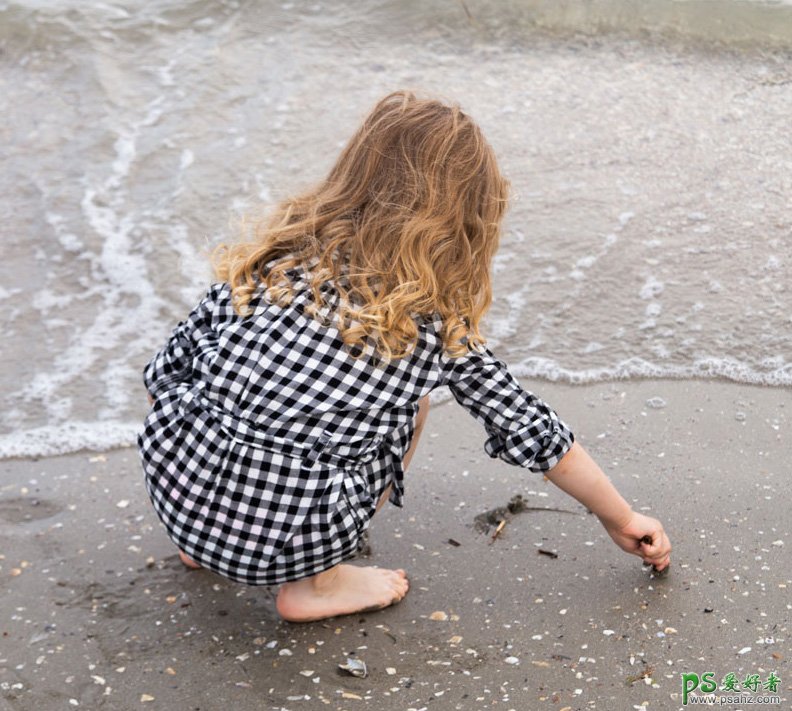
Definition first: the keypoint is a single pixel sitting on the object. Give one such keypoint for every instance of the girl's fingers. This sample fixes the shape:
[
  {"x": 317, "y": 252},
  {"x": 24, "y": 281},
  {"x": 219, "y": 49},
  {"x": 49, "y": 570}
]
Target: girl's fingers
[
  {"x": 657, "y": 553},
  {"x": 660, "y": 557},
  {"x": 648, "y": 545}
]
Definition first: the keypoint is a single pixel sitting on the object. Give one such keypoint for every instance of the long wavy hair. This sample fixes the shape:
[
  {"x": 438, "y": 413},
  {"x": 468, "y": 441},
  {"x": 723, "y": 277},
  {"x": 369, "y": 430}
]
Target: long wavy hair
[{"x": 405, "y": 225}]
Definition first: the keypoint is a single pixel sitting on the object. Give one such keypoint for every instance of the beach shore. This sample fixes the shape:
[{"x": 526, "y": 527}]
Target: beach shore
[{"x": 98, "y": 613}]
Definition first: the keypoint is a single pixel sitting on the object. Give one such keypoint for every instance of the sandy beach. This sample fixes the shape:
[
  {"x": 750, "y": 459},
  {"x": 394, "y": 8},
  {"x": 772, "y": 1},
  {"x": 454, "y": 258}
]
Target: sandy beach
[{"x": 98, "y": 613}]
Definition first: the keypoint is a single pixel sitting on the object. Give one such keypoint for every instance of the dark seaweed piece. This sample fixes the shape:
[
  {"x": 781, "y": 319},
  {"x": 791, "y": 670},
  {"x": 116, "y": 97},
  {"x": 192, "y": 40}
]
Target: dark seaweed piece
[{"x": 549, "y": 554}]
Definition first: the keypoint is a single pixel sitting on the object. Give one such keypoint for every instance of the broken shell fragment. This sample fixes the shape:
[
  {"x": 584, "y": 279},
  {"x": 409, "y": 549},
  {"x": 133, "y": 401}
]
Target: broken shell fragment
[{"x": 354, "y": 667}]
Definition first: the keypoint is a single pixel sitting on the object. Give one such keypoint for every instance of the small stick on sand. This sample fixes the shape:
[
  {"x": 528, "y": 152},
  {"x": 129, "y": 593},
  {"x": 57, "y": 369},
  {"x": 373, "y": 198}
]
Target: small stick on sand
[{"x": 500, "y": 527}]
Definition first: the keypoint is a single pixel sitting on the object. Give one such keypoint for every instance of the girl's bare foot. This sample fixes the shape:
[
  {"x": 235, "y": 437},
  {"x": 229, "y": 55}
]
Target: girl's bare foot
[
  {"x": 342, "y": 590},
  {"x": 189, "y": 562}
]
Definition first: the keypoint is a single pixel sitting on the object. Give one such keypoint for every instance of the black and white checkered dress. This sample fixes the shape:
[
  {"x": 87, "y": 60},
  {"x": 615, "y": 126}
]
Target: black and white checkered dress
[{"x": 269, "y": 445}]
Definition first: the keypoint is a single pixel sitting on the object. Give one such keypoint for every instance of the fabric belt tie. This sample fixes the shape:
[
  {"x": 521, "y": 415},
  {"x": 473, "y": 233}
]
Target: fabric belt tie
[{"x": 321, "y": 449}]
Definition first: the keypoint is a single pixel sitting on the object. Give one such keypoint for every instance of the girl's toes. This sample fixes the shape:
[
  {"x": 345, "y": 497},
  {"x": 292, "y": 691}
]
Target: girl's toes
[
  {"x": 401, "y": 587},
  {"x": 398, "y": 582}
]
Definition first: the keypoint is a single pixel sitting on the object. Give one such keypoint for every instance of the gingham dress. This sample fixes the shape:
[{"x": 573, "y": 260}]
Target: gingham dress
[{"x": 269, "y": 445}]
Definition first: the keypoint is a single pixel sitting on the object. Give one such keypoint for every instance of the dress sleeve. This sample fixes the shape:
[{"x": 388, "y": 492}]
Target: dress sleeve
[
  {"x": 522, "y": 429},
  {"x": 174, "y": 361}
]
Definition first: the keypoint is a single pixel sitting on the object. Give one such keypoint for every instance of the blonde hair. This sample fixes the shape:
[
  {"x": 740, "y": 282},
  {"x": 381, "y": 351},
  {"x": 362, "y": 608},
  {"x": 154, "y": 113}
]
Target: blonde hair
[{"x": 405, "y": 225}]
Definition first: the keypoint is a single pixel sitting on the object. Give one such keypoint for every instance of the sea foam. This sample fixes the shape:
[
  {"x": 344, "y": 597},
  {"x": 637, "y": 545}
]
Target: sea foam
[{"x": 52, "y": 440}]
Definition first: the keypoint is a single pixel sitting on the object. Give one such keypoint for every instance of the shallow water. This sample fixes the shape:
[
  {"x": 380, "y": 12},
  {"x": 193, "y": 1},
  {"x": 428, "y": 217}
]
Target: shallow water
[{"x": 648, "y": 235}]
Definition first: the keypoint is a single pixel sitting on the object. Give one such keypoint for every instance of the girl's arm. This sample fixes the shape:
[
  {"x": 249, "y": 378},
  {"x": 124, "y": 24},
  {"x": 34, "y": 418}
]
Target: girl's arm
[
  {"x": 524, "y": 431},
  {"x": 579, "y": 476}
]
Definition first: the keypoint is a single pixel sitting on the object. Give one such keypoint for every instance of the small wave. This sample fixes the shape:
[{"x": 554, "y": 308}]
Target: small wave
[
  {"x": 775, "y": 374},
  {"x": 52, "y": 440}
]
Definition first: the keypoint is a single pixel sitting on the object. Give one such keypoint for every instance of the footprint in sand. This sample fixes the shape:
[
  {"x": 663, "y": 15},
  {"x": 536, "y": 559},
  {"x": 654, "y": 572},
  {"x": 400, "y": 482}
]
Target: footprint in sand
[{"x": 27, "y": 509}]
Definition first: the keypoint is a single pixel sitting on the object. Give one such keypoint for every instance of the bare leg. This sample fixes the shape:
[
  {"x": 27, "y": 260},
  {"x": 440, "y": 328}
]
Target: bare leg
[
  {"x": 189, "y": 562},
  {"x": 346, "y": 589}
]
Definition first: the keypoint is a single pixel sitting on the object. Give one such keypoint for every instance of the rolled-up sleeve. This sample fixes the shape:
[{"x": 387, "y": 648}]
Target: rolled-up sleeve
[
  {"x": 174, "y": 362},
  {"x": 522, "y": 429}
]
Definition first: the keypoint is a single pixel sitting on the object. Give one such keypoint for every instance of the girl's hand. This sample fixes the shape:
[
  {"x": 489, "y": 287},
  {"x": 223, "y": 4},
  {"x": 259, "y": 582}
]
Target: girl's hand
[{"x": 635, "y": 536}]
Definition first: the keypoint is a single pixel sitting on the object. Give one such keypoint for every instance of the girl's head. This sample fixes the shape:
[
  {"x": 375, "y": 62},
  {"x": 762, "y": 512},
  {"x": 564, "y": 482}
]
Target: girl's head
[{"x": 405, "y": 224}]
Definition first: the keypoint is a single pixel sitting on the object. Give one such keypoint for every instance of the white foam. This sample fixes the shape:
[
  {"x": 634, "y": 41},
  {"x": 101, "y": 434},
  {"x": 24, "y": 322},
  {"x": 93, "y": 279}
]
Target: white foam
[
  {"x": 45, "y": 300},
  {"x": 773, "y": 263},
  {"x": 592, "y": 347},
  {"x": 503, "y": 261},
  {"x": 653, "y": 309},
  {"x": 125, "y": 155},
  {"x": 625, "y": 218},
  {"x": 118, "y": 12},
  {"x": 775, "y": 372},
  {"x": 651, "y": 288},
  {"x": 52, "y": 440},
  {"x": 7, "y": 293},
  {"x": 187, "y": 159},
  {"x": 68, "y": 240}
]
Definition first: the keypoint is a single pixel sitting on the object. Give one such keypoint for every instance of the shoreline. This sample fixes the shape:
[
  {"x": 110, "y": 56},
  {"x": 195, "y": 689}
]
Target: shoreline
[
  {"x": 58, "y": 440},
  {"x": 100, "y": 612}
]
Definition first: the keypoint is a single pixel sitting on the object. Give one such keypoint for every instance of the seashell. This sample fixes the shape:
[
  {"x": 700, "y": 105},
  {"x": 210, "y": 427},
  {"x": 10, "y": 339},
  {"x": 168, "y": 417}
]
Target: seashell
[{"x": 354, "y": 667}]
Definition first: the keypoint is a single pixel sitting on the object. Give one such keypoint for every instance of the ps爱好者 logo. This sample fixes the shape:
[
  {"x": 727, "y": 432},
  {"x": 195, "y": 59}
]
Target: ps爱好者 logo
[{"x": 753, "y": 689}]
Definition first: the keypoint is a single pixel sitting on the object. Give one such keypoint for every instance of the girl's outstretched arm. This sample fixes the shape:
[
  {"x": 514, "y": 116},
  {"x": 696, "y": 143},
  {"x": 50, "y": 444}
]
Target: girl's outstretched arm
[{"x": 579, "y": 476}]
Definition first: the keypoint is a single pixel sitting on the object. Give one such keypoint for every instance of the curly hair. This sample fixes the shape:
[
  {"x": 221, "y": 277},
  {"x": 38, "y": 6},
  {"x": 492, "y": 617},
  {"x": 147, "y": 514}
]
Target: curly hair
[{"x": 405, "y": 225}]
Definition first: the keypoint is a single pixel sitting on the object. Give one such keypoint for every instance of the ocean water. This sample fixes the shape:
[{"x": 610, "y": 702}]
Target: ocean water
[{"x": 651, "y": 220}]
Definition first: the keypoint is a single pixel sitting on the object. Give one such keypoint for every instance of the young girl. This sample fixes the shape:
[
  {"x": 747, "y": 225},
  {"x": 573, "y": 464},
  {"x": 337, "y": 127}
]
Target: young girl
[{"x": 287, "y": 406}]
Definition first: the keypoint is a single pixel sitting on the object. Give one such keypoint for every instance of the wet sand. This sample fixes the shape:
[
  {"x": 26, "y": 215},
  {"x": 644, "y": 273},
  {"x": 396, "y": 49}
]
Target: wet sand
[{"x": 98, "y": 613}]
